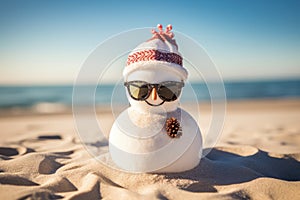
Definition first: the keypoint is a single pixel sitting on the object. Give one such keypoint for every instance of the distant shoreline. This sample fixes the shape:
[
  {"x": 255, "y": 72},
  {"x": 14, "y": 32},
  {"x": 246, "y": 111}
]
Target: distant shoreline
[
  {"x": 53, "y": 99},
  {"x": 49, "y": 109}
]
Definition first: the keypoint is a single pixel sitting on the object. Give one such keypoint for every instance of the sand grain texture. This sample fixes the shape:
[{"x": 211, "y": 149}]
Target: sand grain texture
[{"x": 257, "y": 157}]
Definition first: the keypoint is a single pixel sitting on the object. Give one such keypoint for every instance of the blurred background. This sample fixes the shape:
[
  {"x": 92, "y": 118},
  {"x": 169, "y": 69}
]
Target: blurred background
[{"x": 254, "y": 44}]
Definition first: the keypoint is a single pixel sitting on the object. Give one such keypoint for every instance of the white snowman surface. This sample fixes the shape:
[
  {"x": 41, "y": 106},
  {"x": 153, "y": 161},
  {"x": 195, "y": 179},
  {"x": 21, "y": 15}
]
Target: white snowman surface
[
  {"x": 138, "y": 140},
  {"x": 154, "y": 134}
]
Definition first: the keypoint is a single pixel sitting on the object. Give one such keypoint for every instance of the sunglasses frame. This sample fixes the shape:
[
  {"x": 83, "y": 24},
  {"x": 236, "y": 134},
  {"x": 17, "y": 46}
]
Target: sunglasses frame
[{"x": 150, "y": 86}]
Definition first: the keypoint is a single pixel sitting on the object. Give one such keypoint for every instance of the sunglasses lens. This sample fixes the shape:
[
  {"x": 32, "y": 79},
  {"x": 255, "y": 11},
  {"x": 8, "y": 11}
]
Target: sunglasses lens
[
  {"x": 169, "y": 91},
  {"x": 138, "y": 91}
]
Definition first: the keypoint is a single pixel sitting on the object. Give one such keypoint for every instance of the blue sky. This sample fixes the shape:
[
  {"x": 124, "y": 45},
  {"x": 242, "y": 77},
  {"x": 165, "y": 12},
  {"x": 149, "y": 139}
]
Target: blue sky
[{"x": 47, "y": 41}]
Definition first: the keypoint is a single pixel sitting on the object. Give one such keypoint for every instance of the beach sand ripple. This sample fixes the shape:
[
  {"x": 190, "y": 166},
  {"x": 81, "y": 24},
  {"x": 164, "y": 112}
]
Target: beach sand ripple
[{"x": 54, "y": 165}]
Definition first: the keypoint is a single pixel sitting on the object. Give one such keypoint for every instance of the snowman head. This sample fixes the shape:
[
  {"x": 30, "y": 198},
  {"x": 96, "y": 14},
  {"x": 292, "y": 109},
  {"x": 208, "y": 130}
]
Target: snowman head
[{"x": 154, "y": 75}]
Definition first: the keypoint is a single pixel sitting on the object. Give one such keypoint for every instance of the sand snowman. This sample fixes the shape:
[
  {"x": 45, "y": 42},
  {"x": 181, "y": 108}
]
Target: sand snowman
[{"x": 154, "y": 134}]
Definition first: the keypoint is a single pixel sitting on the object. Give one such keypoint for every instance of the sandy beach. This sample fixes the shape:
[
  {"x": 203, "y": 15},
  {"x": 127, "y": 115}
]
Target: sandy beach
[{"x": 257, "y": 157}]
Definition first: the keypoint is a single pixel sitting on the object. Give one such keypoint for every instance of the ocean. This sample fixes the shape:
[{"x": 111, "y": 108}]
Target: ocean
[{"x": 30, "y": 96}]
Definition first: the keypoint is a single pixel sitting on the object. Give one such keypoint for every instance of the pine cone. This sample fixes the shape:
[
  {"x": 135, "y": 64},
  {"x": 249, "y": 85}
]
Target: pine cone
[{"x": 173, "y": 127}]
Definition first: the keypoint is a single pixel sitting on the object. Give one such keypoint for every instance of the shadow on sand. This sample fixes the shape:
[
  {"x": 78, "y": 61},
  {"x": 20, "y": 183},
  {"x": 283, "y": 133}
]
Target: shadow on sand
[{"x": 224, "y": 168}]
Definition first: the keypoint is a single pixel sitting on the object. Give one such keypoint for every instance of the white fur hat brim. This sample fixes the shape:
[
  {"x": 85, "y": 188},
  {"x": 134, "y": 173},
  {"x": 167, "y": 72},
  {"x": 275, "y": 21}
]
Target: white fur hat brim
[{"x": 154, "y": 65}]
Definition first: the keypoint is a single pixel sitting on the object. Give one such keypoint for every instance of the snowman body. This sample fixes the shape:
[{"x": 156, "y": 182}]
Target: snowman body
[{"x": 149, "y": 148}]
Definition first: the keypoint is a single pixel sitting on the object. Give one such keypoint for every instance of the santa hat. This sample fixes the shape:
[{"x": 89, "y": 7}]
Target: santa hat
[{"x": 160, "y": 51}]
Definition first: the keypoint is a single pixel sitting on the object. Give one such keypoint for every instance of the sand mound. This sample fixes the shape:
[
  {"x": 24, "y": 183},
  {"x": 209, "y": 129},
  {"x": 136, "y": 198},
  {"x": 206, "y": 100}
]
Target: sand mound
[{"x": 226, "y": 172}]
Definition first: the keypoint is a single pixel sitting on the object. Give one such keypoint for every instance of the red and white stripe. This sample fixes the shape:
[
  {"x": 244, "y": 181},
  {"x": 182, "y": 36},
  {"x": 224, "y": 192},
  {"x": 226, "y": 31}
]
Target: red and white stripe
[{"x": 152, "y": 54}]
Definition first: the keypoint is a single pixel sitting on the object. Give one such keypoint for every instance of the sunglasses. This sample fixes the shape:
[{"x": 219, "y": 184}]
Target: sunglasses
[{"x": 141, "y": 90}]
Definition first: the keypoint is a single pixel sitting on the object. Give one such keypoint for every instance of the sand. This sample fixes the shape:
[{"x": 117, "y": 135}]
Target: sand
[{"x": 257, "y": 157}]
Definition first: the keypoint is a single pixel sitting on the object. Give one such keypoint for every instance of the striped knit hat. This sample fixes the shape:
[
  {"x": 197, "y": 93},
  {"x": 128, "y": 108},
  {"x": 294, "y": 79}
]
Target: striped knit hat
[{"x": 160, "y": 51}]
